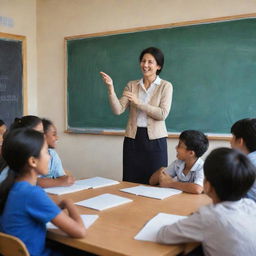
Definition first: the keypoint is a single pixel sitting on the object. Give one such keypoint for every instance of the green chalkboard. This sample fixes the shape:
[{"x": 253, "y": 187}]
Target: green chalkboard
[{"x": 212, "y": 68}]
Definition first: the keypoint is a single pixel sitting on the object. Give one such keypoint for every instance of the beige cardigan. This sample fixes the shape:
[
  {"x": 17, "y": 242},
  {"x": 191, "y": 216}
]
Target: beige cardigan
[{"x": 157, "y": 109}]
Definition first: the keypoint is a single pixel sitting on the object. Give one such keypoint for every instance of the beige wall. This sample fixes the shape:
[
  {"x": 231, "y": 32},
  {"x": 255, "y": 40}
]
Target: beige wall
[
  {"x": 23, "y": 14},
  {"x": 90, "y": 155}
]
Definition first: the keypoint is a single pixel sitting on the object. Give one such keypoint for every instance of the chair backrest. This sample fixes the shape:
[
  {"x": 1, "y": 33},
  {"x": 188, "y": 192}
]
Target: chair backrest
[{"x": 12, "y": 246}]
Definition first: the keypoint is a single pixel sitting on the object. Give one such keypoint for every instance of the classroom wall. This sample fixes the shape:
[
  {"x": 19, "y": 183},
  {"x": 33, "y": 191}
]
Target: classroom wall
[
  {"x": 23, "y": 17},
  {"x": 91, "y": 155}
]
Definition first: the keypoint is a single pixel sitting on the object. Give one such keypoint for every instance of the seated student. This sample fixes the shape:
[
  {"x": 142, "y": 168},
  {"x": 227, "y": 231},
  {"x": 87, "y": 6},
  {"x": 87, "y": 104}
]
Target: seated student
[
  {"x": 24, "y": 207},
  {"x": 29, "y": 121},
  {"x": 56, "y": 176},
  {"x": 228, "y": 226},
  {"x": 244, "y": 139},
  {"x": 185, "y": 173},
  {"x": 35, "y": 123}
]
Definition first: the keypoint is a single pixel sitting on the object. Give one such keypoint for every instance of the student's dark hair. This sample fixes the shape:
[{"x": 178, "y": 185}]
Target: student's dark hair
[
  {"x": 195, "y": 140},
  {"x": 2, "y": 122},
  {"x": 246, "y": 129},
  {"x": 46, "y": 124},
  {"x": 230, "y": 172},
  {"x": 18, "y": 146},
  {"x": 25, "y": 122},
  {"x": 158, "y": 55}
]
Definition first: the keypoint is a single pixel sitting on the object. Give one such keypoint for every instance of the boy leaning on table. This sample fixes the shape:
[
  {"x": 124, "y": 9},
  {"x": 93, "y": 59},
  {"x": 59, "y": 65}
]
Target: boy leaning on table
[
  {"x": 228, "y": 226},
  {"x": 186, "y": 172}
]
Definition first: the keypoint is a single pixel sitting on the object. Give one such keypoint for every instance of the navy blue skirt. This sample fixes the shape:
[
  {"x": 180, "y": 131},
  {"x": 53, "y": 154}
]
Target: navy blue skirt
[{"x": 142, "y": 156}]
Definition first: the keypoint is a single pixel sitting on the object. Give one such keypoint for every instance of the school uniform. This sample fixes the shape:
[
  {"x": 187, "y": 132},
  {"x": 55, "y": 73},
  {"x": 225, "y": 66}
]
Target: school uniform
[
  {"x": 145, "y": 145},
  {"x": 195, "y": 175},
  {"x": 252, "y": 192},
  {"x": 26, "y": 212},
  {"x": 227, "y": 228},
  {"x": 55, "y": 165}
]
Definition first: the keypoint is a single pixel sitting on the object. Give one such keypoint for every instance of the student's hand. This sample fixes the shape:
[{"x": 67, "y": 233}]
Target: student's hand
[
  {"x": 107, "y": 80},
  {"x": 165, "y": 180},
  {"x": 132, "y": 97},
  {"x": 67, "y": 180}
]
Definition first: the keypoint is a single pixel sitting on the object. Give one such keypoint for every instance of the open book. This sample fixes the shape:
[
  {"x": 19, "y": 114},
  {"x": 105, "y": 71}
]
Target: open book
[
  {"x": 88, "y": 220},
  {"x": 104, "y": 201},
  {"x": 154, "y": 192},
  {"x": 95, "y": 182},
  {"x": 150, "y": 230}
]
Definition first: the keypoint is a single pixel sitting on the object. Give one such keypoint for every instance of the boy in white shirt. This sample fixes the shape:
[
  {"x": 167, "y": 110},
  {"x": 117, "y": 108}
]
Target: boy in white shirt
[
  {"x": 186, "y": 172},
  {"x": 244, "y": 139},
  {"x": 228, "y": 226}
]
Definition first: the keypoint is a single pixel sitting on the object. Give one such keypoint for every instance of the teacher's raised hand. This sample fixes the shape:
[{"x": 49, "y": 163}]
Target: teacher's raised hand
[{"x": 107, "y": 80}]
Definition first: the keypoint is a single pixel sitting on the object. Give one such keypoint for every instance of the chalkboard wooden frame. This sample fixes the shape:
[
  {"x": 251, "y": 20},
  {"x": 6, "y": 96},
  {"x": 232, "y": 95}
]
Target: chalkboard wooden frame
[
  {"x": 22, "y": 39},
  {"x": 140, "y": 29}
]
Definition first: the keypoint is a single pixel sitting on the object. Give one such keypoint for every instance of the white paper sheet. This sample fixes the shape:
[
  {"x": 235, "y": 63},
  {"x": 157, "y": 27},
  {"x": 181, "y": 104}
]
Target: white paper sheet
[
  {"x": 149, "y": 231},
  {"x": 96, "y": 182},
  {"x": 104, "y": 201},
  {"x": 153, "y": 192},
  {"x": 88, "y": 220},
  {"x": 66, "y": 190}
]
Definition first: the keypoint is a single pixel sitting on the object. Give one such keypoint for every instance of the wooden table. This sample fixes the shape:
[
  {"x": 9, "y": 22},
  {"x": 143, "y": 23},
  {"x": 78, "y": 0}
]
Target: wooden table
[{"x": 113, "y": 232}]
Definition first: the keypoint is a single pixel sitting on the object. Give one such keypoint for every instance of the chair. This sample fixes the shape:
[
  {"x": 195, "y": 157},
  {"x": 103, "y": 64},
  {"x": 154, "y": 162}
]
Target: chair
[{"x": 12, "y": 246}]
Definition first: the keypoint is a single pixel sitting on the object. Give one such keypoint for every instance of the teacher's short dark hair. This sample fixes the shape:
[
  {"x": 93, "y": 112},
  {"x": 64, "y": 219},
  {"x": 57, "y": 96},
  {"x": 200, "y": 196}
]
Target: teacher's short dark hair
[{"x": 158, "y": 55}]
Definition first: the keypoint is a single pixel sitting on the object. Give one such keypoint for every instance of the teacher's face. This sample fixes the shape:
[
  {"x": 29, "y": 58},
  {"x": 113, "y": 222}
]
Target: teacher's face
[{"x": 149, "y": 65}]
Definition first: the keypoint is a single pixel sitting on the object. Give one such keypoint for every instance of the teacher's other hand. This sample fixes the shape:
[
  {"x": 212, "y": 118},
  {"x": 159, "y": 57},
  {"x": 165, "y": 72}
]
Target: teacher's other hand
[{"x": 132, "y": 97}]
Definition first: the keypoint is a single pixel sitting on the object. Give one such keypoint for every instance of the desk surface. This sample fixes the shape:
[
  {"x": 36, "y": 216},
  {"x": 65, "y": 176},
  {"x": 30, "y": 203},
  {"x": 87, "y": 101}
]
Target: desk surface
[{"x": 113, "y": 232}]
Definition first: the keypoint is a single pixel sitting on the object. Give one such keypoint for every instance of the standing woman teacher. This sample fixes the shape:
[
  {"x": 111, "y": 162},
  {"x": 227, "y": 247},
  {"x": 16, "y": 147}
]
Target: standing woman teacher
[{"x": 149, "y": 101}]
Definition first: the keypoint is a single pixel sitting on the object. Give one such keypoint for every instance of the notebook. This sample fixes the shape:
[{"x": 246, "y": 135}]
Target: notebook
[
  {"x": 65, "y": 190},
  {"x": 96, "y": 182},
  {"x": 151, "y": 228},
  {"x": 104, "y": 201},
  {"x": 153, "y": 192}
]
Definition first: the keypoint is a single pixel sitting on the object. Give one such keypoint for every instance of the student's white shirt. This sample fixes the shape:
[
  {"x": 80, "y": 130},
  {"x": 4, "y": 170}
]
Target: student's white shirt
[
  {"x": 195, "y": 175},
  {"x": 252, "y": 192},
  {"x": 227, "y": 228},
  {"x": 144, "y": 97}
]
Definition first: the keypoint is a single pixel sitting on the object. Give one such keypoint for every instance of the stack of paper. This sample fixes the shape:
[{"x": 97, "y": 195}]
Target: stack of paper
[
  {"x": 154, "y": 192},
  {"x": 150, "y": 230},
  {"x": 88, "y": 220},
  {"x": 104, "y": 201}
]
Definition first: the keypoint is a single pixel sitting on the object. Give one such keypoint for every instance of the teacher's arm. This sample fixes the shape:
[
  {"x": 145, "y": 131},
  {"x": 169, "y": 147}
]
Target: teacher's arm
[
  {"x": 118, "y": 106},
  {"x": 159, "y": 112}
]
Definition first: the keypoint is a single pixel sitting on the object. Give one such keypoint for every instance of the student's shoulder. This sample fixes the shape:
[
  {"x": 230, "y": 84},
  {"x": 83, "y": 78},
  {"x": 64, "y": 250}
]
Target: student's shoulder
[
  {"x": 198, "y": 165},
  {"x": 53, "y": 153}
]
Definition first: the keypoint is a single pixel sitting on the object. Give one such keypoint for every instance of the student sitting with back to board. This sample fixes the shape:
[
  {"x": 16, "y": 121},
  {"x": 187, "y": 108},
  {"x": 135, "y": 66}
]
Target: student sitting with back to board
[
  {"x": 228, "y": 226},
  {"x": 186, "y": 172},
  {"x": 244, "y": 139}
]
